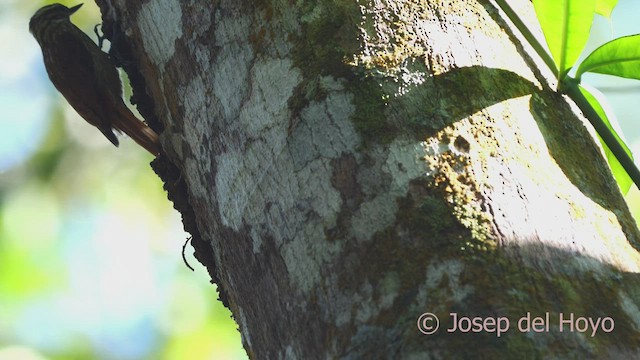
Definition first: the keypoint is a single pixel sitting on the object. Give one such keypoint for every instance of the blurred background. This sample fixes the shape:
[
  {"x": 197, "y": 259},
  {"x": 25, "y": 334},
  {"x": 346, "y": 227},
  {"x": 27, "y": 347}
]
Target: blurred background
[{"x": 90, "y": 247}]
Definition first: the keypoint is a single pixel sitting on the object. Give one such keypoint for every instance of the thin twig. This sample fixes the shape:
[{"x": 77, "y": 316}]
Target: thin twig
[{"x": 184, "y": 248}]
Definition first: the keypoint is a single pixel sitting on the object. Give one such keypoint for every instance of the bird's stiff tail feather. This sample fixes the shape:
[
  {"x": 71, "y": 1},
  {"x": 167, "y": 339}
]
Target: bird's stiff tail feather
[{"x": 128, "y": 123}]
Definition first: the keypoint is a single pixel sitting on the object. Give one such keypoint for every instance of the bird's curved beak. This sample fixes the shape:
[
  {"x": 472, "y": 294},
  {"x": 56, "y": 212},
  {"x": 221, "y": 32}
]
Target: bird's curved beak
[{"x": 74, "y": 8}]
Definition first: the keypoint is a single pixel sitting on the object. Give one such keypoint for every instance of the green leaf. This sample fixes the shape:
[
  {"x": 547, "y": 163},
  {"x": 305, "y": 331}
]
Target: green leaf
[
  {"x": 620, "y": 174},
  {"x": 605, "y": 7},
  {"x": 619, "y": 57},
  {"x": 566, "y": 25}
]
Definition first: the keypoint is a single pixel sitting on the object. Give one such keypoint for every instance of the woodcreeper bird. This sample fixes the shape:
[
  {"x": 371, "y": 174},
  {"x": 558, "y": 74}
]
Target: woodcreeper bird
[{"x": 86, "y": 76}]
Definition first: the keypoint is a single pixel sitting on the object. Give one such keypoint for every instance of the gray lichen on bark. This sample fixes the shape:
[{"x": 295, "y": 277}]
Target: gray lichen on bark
[{"x": 352, "y": 165}]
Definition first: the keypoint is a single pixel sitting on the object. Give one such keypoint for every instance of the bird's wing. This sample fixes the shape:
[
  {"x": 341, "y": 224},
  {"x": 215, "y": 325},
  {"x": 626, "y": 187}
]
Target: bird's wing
[{"x": 78, "y": 78}]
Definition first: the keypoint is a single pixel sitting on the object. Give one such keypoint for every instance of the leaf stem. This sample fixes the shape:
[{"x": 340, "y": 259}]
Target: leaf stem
[
  {"x": 524, "y": 30},
  {"x": 570, "y": 87}
]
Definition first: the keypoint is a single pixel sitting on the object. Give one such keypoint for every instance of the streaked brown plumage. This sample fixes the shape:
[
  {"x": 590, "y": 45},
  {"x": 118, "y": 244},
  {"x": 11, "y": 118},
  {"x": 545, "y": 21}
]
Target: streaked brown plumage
[{"x": 86, "y": 77}]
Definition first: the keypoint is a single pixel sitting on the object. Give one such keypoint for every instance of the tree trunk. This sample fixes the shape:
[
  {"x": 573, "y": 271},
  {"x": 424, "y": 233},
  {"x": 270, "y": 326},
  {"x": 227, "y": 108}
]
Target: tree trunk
[{"x": 347, "y": 166}]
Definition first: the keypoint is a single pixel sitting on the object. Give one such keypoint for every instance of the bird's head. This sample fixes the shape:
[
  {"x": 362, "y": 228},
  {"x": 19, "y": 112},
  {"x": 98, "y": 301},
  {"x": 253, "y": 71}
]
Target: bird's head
[{"x": 50, "y": 15}]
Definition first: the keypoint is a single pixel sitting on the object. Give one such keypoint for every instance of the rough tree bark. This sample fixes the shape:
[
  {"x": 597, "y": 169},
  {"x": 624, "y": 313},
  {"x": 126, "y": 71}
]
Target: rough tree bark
[{"x": 346, "y": 166}]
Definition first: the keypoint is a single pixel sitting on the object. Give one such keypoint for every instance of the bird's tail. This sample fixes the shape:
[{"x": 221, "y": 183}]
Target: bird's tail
[{"x": 128, "y": 123}]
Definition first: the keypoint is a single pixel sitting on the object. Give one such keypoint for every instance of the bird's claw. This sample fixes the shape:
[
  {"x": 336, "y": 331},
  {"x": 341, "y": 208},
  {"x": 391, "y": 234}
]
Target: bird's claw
[{"x": 100, "y": 37}]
